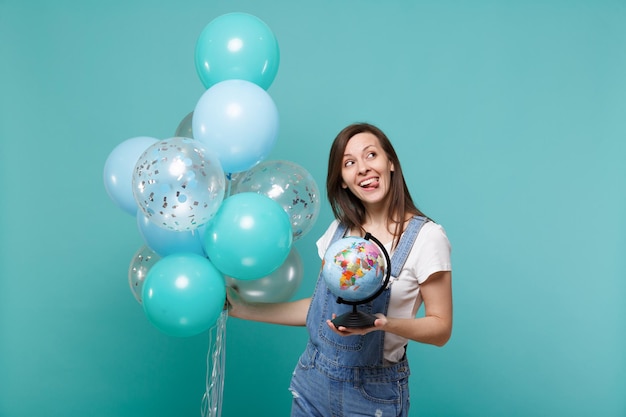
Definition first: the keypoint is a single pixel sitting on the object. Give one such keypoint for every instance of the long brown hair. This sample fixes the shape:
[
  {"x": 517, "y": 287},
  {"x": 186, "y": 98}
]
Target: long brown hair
[{"x": 347, "y": 208}]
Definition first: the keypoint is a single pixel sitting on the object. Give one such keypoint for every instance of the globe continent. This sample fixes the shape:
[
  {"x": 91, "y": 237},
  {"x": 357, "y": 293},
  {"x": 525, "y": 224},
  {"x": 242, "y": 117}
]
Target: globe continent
[{"x": 353, "y": 268}]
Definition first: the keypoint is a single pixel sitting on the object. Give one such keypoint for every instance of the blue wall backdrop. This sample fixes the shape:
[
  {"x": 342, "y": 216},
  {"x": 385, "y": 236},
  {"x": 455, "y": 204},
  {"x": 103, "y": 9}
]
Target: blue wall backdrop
[{"x": 510, "y": 118}]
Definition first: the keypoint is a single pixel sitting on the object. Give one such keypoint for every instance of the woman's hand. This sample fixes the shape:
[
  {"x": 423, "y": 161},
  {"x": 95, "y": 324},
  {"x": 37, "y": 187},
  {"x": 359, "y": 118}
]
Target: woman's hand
[
  {"x": 233, "y": 302},
  {"x": 379, "y": 324}
]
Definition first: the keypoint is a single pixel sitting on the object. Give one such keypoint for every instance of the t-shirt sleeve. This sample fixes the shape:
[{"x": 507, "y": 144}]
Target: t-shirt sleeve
[
  {"x": 431, "y": 252},
  {"x": 324, "y": 241}
]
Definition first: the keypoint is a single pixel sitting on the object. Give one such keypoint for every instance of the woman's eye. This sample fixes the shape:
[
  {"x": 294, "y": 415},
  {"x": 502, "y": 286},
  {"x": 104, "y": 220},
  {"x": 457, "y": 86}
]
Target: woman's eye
[
  {"x": 371, "y": 155},
  {"x": 348, "y": 163}
]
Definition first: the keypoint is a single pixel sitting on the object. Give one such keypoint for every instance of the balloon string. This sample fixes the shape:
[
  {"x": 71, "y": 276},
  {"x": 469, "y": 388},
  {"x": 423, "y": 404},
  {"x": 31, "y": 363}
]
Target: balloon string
[{"x": 216, "y": 365}]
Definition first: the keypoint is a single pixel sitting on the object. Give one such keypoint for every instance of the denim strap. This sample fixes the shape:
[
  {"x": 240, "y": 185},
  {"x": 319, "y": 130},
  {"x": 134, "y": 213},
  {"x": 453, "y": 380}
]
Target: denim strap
[{"x": 404, "y": 246}]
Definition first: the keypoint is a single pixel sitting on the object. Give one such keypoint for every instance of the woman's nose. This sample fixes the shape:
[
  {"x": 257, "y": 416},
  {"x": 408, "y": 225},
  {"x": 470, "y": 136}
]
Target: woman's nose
[{"x": 362, "y": 166}]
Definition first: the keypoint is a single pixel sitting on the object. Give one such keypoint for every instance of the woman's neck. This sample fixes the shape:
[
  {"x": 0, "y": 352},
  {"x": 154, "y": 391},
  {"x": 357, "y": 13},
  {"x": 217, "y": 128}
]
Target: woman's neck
[
  {"x": 377, "y": 224},
  {"x": 380, "y": 225}
]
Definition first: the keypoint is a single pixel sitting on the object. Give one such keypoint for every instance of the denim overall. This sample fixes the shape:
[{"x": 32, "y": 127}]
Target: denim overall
[{"x": 346, "y": 376}]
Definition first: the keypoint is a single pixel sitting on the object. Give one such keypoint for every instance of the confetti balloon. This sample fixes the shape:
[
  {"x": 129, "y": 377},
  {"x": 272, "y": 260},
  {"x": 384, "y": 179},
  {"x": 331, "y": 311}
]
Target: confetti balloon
[
  {"x": 142, "y": 262},
  {"x": 288, "y": 184},
  {"x": 178, "y": 184}
]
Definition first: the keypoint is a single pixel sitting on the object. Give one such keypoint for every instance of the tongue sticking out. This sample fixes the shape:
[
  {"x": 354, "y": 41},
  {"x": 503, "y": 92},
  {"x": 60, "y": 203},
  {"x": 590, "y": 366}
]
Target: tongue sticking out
[{"x": 371, "y": 183}]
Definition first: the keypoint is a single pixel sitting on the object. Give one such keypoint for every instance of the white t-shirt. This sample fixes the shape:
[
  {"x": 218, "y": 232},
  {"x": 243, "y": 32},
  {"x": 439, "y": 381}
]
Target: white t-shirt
[{"x": 430, "y": 254}]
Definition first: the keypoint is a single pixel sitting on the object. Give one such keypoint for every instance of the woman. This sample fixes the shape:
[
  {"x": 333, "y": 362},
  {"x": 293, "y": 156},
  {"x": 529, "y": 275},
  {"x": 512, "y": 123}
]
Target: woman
[{"x": 364, "y": 371}]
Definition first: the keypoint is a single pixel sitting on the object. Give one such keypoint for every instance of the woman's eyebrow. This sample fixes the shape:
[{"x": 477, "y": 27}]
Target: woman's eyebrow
[{"x": 362, "y": 150}]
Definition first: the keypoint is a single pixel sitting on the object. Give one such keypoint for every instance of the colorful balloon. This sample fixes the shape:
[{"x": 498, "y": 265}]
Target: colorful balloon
[
  {"x": 118, "y": 171},
  {"x": 178, "y": 184},
  {"x": 165, "y": 241},
  {"x": 237, "y": 46},
  {"x": 249, "y": 237},
  {"x": 184, "y": 129},
  {"x": 237, "y": 120},
  {"x": 142, "y": 262},
  {"x": 290, "y": 185},
  {"x": 276, "y": 287},
  {"x": 183, "y": 294}
]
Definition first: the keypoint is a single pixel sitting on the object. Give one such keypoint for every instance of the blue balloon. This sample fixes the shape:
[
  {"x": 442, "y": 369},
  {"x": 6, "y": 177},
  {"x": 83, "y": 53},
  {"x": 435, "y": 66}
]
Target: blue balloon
[
  {"x": 238, "y": 121},
  {"x": 119, "y": 168},
  {"x": 249, "y": 237},
  {"x": 165, "y": 241},
  {"x": 237, "y": 46},
  {"x": 183, "y": 294}
]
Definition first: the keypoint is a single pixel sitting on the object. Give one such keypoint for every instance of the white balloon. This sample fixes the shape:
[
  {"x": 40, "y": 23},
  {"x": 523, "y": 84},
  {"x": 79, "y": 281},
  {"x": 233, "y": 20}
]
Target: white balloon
[{"x": 276, "y": 287}]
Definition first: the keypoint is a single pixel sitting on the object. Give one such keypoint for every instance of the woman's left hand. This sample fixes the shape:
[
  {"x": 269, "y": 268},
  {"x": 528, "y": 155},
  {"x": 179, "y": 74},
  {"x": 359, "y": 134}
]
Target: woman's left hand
[{"x": 379, "y": 323}]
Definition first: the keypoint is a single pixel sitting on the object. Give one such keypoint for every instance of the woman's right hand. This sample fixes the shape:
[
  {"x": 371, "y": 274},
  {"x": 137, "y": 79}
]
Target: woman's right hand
[{"x": 233, "y": 302}]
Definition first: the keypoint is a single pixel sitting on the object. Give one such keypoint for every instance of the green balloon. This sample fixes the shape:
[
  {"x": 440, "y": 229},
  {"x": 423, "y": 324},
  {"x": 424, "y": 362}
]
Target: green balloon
[{"x": 237, "y": 46}]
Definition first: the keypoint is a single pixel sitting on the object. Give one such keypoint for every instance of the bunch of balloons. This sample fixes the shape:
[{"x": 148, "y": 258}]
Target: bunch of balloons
[{"x": 211, "y": 209}]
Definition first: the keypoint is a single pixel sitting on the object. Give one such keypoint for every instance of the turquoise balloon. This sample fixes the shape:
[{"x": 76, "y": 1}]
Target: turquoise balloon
[
  {"x": 237, "y": 120},
  {"x": 183, "y": 294},
  {"x": 249, "y": 237},
  {"x": 237, "y": 46},
  {"x": 290, "y": 185}
]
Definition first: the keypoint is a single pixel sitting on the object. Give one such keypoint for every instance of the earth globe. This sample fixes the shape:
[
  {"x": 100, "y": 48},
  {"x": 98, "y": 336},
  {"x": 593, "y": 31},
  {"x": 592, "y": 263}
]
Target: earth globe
[{"x": 355, "y": 269}]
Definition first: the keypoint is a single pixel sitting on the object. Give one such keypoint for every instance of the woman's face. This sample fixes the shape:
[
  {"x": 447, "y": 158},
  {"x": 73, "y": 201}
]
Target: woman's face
[{"x": 366, "y": 170}]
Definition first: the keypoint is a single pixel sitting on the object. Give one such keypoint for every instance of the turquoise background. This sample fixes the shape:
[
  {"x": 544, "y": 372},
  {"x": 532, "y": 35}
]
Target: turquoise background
[{"x": 510, "y": 119}]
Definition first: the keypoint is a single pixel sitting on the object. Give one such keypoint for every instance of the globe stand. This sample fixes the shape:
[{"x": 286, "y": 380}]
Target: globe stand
[
  {"x": 354, "y": 319},
  {"x": 357, "y": 319}
]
